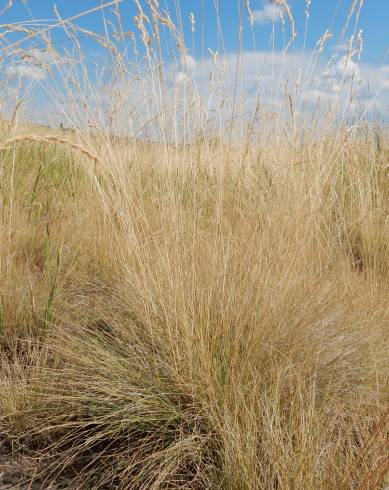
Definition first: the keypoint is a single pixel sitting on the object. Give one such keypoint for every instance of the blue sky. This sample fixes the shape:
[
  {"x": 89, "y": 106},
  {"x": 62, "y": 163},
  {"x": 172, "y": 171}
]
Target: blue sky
[
  {"x": 264, "y": 66},
  {"x": 325, "y": 14}
]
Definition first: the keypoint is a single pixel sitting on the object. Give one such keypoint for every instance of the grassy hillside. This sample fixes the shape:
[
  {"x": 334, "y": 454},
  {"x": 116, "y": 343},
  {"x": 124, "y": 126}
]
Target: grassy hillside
[
  {"x": 194, "y": 266},
  {"x": 194, "y": 317}
]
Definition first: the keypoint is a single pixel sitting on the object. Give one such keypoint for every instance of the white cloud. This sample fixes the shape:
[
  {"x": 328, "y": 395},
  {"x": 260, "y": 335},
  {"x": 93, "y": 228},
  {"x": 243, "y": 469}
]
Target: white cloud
[
  {"x": 376, "y": 77},
  {"x": 188, "y": 63},
  {"x": 271, "y": 12},
  {"x": 347, "y": 68},
  {"x": 201, "y": 96},
  {"x": 36, "y": 64},
  {"x": 26, "y": 71},
  {"x": 46, "y": 58},
  {"x": 182, "y": 80},
  {"x": 38, "y": 56}
]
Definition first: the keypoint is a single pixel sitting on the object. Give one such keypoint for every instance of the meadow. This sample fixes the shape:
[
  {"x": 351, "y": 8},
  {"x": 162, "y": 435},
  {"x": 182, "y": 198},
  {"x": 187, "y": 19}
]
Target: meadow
[{"x": 204, "y": 313}]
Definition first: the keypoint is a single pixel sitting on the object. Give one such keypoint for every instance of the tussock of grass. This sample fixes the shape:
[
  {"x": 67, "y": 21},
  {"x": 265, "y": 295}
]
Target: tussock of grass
[
  {"x": 175, "y": 326},
  {"x": 207, "y": 310}
]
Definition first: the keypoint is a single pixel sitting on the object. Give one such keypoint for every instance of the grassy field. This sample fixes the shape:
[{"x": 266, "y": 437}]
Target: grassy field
[
  {"x": 207, "y": 310},
  {"x": 170, "y": 323}
]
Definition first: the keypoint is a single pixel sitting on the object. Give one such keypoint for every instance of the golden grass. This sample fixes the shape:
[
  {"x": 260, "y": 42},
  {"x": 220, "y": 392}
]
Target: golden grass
[
  {"x": 207, "y": 311},
  {"x": 166, "y": 324},
  {"x": 48, "y": 138}
]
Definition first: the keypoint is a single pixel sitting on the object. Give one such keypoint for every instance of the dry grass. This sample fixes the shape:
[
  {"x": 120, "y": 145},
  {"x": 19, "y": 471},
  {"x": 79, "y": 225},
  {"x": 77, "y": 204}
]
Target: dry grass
[
  {"x": 166, "y": 328},
  {"x": 205, "y": 311},
  {"x": 7, "y": 144}
]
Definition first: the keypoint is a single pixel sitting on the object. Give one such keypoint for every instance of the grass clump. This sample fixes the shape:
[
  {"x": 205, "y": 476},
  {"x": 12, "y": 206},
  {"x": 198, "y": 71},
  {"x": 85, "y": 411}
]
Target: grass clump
[
  {"x": 193, "y": 288},
  {"x": 203, "y": 333}
]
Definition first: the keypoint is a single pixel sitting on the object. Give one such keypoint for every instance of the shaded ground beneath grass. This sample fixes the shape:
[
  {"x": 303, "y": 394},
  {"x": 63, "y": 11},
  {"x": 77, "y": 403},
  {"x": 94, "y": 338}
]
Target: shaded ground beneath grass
[{"x": 21, "y": 471}]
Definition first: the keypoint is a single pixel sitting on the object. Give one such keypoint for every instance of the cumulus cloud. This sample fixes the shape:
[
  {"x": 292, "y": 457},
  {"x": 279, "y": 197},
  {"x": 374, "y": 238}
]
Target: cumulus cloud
[
  {"x": 38, "y": 56},
  {"x": 271, "y": 12},
  {"x": 377, "y": 78},
  {"x": 205, "y": 95},
  {"x": 46, "y": 58},
  {"x": 347, "y": 68},
  {"x": 35, "y": 64},
  {"x": 335, "y": 77},
  {"x": 270, "y": 76},
  {"x": 183, "y": 80},
  {"x": 25, "y": 71},
  {"x": 188, "y": 63}
]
